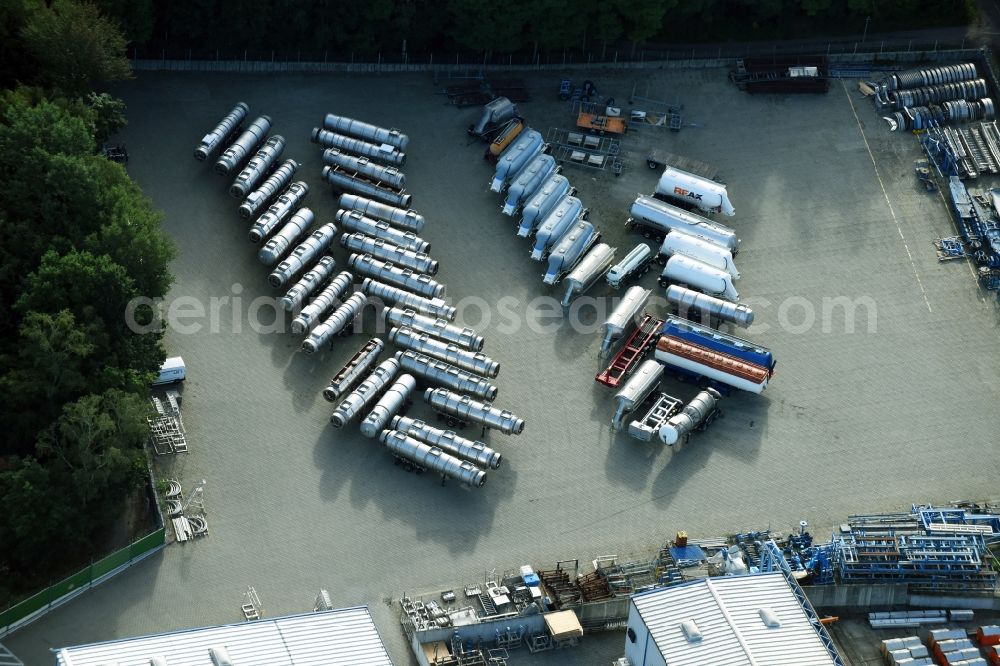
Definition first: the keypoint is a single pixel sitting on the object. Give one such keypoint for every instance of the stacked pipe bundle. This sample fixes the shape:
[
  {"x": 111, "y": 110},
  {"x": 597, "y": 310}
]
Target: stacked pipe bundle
[
  {"x": 922, "y": 98},
  {"x": 363, "y": 159},
  {"x": 951, "y": 111},
  {"x": 970, "y": 90},
  {"x": 929, "y": 76}
]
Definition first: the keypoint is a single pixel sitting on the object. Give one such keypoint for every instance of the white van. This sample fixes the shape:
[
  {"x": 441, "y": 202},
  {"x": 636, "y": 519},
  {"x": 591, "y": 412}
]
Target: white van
[{"x": 171, "y": 371}]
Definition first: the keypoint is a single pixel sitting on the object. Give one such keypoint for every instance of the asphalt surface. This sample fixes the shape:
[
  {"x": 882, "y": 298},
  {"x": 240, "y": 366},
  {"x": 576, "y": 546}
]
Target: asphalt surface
[{"x": 897, "y": 410}]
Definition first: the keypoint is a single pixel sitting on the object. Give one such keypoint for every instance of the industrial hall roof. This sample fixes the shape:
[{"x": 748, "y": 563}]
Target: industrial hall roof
[
  {"x": 344, "y": 637},
  {"x": 732, "y": 620}
]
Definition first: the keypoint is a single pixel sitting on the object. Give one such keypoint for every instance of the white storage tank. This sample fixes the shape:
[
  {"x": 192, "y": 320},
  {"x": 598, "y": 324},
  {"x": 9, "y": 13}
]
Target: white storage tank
[
  {"x": 679, "y": 242},
  {"x": 683, "y": 269},
  {"x": 696, "y": 191}
]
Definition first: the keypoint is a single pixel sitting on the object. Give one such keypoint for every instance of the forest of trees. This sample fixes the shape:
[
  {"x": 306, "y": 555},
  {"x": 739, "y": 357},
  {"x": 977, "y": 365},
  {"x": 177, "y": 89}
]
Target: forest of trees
[
  {"x": 366, "y": 29},
  {"x": 78, "y": 240}
]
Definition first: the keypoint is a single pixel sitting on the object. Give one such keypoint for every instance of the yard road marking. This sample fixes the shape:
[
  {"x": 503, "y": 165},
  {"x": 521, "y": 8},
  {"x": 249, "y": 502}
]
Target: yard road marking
[{"x": 885, "y": 194}]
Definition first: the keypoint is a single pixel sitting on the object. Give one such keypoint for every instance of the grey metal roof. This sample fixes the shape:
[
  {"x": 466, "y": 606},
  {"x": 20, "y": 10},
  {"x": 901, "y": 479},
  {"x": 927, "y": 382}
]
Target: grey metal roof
[
  {"x": 344, "y": 637},
  {"x": 726, "y": 611}
]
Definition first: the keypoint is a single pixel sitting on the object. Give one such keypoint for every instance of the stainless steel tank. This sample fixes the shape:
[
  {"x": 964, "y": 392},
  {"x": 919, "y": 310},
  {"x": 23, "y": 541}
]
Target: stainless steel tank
[
  {"x": 355, "y": 221},
  {"x": 475, "y": 452},
  {"x": 258, "y": 166},
  {"x": 311, "y": 314},
  {"x": 240, "y": 149},
  {"x": 387, "y": 251},
  {"x": 288, "y": 201},
  {"x": 309, "y": 282},
  {"x": 339, "y": 320},
  {"x": 434, "y": 307},
  {"x": 393, "y": 400},
  {"x": 439, "y": 328},
  {"x": 378, "y": 152},
  {"x": 366, "y": 131},
  {"x": 357, "y": 367},
  {"x": 405, "y": 278},
  {"x": 276, "y": 246},
  {"x": 432, "y": 458},
  {"x": 445, "y": 374},
  {"x": 407, "y": 220},
  {"x": 465, "y": 408},
  {"x": 423, "y": 343},
  {"x": 227, "y": 127},
  {"x": 365, "y": 393},
  {"x": 304, "y": 253},
  {"x": 269, "y": 189}
]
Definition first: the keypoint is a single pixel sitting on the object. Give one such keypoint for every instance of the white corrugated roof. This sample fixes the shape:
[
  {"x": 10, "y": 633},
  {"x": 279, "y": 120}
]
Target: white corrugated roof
[
  {"x": 726, "y": 611},
  {"x": 345, "y": 637}
]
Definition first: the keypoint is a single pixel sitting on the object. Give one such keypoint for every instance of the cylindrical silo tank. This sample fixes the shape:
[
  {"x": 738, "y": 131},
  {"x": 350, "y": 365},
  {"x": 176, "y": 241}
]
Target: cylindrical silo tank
[
  {"x": 524, "y": 148},
  {"x": 405, "y": 278},
  {"x": 446, "y": 374},
  {"x": 568, "y": 250},
  {"x": 357, "y": 367},
  {"x": 625, "y": 314},
  {"x": 434, "y": 307},
  {"x": 365, "y": 393},
  {"x": 312, "y": 279},
  {"x": 244, "y": 145},
  {"x": 339, "y": 320},
  {"x": 380, "y": 153},
  {"x": 304, "y": 253},
  {"x": 562, "y": 216},
  {"x": 432, "y": 458},
  {"x": 269, "y": 189},
  {"x": 287, "y": 202},
  {"x": 476, "y": 362},
  {"x": 466, "y": 409},
  {"x": 688, "y": 299},
  {"x": 637, "y": 388},
  {"x": 702, "y": 249},
  {"x": 527, "y": 181},
  {"x": 258, "y": 166},
  {"x": 326, "y": 299},
  {"x": 590, "y": 269},
  {"x": 661, "y": 216},
  {"x": 542, "y": 202},
  {"x": 692, "y": 416},
  {"x": 439, "y": 328},
  {"x": 685, "y": 270},
  {"x": 354, "y": 221},
  {"x": 449, "y": 441},
  {"x": 393, "y": 400},
  {"x": 407, "y": 220},
  {"x": 276, "y": 246},
  {"x": 386, "y": 176},
  {"x": 366, "y": 131},
  {"x": 227, "y": 127},
  {"x": 388, "y": 251}
]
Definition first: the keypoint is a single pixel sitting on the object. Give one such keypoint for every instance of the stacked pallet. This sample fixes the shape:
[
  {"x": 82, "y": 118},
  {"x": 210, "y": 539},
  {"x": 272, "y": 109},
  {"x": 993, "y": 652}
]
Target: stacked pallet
[
  {"x": 952, "y": 647},
  {"x": 907, "y": 651}
]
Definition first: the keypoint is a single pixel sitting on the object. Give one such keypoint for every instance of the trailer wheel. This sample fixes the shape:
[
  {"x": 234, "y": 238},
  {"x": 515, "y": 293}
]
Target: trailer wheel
[
  {"x": 652, "y": 164},
  {"x": 663, "y": 283},
  {"x": 646, "y": 234},
  {"x": 661, "y": 259}
]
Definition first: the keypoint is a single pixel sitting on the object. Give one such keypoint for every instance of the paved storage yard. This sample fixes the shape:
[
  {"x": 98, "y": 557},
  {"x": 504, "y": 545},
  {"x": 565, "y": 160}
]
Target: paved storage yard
[{"x": 901, "y": 409}]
